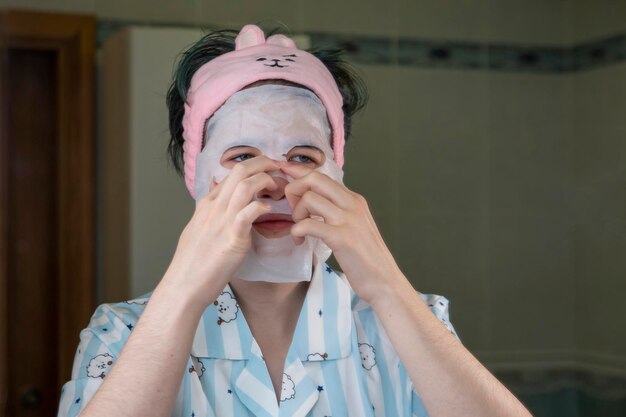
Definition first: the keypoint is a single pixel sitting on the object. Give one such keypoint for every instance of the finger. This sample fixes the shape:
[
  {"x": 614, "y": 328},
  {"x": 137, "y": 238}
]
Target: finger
[
  {"x": 246, "y": 216},
  {"x": 295, "y": 173},
  {"x": 312, "y": 203},
  {"x": 294, "y": 170},
  {"x": 315, "y": 228},
  {"x": 247, "y": 188},
  {"x": 244, "y": 170},
  {"x": 307, "y": 179}
]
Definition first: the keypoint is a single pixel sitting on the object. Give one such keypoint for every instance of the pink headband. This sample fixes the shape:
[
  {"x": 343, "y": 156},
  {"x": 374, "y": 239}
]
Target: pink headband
[{"x": 255, "y": 59}]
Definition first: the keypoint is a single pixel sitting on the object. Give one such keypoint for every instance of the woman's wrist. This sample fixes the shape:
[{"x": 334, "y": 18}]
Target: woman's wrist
[
  {"x": 395, "y": 291},
  {"x": 195, "y": 293}
]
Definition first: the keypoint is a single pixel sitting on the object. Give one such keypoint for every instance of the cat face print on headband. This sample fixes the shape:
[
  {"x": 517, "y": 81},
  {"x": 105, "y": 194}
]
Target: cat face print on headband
[{"x": 280, "y": 62}]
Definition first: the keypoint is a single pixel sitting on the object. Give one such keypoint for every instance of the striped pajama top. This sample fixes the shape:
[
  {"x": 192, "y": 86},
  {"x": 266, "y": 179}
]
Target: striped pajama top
[{"x": 340, "y": 363}]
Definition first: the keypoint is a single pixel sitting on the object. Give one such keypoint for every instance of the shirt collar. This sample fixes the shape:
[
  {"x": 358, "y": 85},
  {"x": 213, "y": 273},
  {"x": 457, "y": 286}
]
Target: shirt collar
[{"x": 323, "y": 331}]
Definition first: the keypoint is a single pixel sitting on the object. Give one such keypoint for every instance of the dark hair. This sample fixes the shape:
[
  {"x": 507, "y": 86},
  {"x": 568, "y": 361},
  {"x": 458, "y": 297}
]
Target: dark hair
[{"x": 214, "y": 44}]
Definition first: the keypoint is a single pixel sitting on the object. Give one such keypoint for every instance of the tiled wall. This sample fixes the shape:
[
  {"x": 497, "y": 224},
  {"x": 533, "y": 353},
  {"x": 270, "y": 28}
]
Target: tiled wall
[
  {"x": 599, "y": 144},
  {"x": 545, "y": 22},
  {"x": 531, "y": 21}
]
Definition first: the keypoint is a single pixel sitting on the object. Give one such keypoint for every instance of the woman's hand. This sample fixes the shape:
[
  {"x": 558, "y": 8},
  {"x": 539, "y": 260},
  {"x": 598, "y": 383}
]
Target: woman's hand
[
  {"x": 217, "y": 238},
  {"x": 348, "y": 229}
]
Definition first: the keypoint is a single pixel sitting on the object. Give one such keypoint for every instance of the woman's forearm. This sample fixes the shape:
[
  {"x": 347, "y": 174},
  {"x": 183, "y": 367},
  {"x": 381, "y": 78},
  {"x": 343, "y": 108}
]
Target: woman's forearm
[
  {"x": 146, "y": 377},
  {"x": 448, "y": 378}
]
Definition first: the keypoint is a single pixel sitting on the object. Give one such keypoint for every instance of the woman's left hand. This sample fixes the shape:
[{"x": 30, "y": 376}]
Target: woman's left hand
[{"x": 348, "y": 229}]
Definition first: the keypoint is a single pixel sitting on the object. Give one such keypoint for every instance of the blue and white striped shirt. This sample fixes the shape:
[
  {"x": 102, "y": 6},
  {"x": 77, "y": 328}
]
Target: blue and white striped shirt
[{"x": 340, "y": 362}]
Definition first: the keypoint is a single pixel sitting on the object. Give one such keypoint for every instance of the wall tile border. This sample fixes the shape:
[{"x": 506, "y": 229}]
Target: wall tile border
[{"x": 426, "y": 53}]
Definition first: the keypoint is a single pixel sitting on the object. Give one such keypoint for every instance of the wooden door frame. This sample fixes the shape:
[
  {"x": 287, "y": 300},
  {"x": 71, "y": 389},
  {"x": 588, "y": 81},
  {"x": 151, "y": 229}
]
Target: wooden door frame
[{"x": 72, "y": 37}]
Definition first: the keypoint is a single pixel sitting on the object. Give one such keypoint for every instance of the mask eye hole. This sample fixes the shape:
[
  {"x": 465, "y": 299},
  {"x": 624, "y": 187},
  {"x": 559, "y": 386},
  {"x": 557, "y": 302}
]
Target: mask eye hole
[
  {"x": 306, "y": 155},
  {"x": 236, "y": 154}
]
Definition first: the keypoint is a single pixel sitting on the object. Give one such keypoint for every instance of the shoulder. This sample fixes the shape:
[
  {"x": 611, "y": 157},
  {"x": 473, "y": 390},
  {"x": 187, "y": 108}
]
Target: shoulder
[
  {"x": 102, "y": 340},
  {"x": 367, "y": 320},
  {"x": 111, "y": 323},
  {"x": 438, "y": 304},
  {"x": 126, "y": 311}
]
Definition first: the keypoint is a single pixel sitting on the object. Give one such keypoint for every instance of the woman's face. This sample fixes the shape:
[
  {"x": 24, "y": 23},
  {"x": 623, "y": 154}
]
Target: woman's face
[{"x": 283, "y": 126}]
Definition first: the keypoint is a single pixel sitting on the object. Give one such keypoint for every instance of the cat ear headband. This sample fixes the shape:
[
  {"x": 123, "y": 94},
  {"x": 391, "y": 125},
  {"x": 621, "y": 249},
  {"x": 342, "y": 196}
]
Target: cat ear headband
[{"x": 254, "y": 59}]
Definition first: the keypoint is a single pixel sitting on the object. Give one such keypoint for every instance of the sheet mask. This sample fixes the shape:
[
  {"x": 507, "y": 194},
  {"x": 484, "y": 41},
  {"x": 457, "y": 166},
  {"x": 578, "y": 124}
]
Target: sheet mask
[{"x": 273, "y": 119}]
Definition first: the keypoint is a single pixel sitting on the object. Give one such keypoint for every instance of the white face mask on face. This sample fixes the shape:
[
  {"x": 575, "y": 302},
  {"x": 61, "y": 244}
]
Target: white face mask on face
[{"x": 277, "y": 121}]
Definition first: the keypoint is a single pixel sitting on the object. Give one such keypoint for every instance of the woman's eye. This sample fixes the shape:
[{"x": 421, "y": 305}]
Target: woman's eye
[
  {"x": 242, "y": 157},
  {"x": 309, "y": 155},
  {"x": 237, "y": 154},
  {"x": 301, "y": 159}
]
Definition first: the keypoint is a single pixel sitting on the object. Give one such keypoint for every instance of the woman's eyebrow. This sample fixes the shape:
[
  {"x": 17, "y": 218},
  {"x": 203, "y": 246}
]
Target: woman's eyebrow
[
  {"x": 239, "y": 146},
  {"x": 308, "y": 146}
]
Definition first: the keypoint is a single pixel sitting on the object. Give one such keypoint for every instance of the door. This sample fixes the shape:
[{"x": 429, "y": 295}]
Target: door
[{"x": 47, "y": 233}]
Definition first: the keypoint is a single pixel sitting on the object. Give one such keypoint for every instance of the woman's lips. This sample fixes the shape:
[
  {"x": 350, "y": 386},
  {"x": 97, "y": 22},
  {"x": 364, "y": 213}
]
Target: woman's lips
[{"x": 274, "y": 221}]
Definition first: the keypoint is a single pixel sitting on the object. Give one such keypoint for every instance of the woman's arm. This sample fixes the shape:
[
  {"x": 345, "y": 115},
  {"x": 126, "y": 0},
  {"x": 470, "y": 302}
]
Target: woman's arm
[
  {"x": 448, "y": 378},
  {"x": 145, "y": 379},
  {"x": 450, "y": 381},
  {"x": 146, "y": 376}
]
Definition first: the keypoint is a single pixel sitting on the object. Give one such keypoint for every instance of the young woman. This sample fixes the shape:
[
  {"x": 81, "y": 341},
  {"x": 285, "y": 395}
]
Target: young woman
[{"x": 248, "y": 319}]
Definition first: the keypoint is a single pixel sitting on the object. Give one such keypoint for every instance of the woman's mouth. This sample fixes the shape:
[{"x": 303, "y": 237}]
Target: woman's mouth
[{"x": 274, "y": 221}]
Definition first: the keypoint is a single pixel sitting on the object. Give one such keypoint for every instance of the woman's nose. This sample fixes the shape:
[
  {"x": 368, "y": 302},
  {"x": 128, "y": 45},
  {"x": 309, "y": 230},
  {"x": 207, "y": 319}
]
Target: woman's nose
[{"x": 276, "y": 194}]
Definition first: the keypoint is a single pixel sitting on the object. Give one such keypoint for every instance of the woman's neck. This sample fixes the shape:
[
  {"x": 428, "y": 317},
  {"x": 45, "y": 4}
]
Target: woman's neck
[{"x": 268, "y": 302}]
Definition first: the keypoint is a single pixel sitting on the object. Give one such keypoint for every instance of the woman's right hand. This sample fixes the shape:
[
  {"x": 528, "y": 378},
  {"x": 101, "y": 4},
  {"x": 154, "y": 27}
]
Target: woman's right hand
[{"x": 217, "y": 238}]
